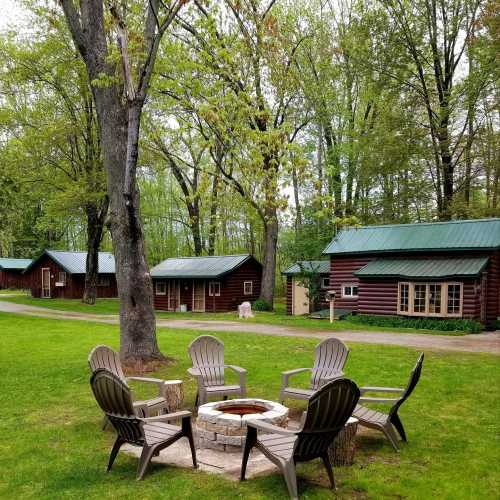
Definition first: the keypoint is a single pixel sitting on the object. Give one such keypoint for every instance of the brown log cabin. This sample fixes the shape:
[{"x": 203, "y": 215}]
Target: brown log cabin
[
  {"x": 12, "y": 273},
  {"x": 297, "y": 292},
  {"x": 442, "y": 270},
  {"x": 61, "y": 275},
  {"x": 206, "y": 284}
]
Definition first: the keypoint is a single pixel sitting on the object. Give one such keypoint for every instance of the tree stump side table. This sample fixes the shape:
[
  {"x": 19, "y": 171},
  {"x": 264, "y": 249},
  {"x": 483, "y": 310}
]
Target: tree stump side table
[
  {"x": 174, "y": 394},
  {"x": 341, "y": 451}
]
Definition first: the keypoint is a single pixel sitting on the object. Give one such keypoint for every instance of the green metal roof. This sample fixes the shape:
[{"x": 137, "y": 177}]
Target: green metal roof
[
  {"x": 465, "y": 267},
  {"x": 198, "y": 267},
  {"x": 316, "y": 266},
  {"x": 441, "y": 236},
  {"x": 14, "y": 264},
  {"x": 75, "y": 262}
]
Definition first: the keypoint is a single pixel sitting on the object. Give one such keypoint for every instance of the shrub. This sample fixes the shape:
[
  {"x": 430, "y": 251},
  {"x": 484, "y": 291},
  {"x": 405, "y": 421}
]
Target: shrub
[
  {"x": 262, "y": 305},
  {"x": 447, "y": 325}
]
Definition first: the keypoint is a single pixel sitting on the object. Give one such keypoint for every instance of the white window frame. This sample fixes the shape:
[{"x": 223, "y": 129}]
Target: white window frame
[
  {"x": 245, "y": 292},
  {"x": 157, "y": 291},
  {"x": 323, "y": 282},
  {"x": 211, "y": 291},
  {"x": 349, "y": 285},
  {"x": 444, "y": 299},
  {"x": 63, "y": 274}
]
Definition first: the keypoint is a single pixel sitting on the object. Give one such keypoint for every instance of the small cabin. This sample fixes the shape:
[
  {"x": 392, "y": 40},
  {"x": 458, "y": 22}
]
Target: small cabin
[
  {"x": 206, "y": 284},
  {"x": 435, "y": 270},
  {"x": 297, "y": 286},
  {"x": 11, "y": 273},
  {"x": 61, "y": 275}
]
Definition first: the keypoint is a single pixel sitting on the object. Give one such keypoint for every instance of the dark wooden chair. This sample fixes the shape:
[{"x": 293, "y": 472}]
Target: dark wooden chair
[
  {"x": 388, "y": 423},
  {"x": 103, "y": 356},
  {"x": 207, "y": 356},
  {"x": 328, "y": 410},
  {"x": 152, "y": 434},
  {"x": 329, "y": 360}
]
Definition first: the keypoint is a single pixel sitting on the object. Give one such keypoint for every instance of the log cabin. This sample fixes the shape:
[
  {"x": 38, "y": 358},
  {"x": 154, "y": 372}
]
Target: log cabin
[
  {"x": 11, "y": 273},
  {"x": 297, "y": 291},
  {"x": 206, "y": 284},
  {"x": 442, "y": 270},
  {"x": 61, "y": 275}
]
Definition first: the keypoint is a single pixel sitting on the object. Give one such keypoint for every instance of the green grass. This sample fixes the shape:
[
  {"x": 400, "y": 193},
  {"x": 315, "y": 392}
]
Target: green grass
[
  {"x": 276, "y": 317},
  {"x": 52, "y": 446}
]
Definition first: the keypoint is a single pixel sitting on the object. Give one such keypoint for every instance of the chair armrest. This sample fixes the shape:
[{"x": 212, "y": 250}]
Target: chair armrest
[
  {"x": 333, "y": 376},
  {"x": 168, "y": 416},
  {"x": 147, "y": 380},
  {"x": 362, "y": 390},
  {"x": 378, "y": 400},
  {"x": 235, "y": 368},
  {"x": 286, "y": 375},
  {"x": 194, "y": 371},
  {"x": 274, "y": 429}
]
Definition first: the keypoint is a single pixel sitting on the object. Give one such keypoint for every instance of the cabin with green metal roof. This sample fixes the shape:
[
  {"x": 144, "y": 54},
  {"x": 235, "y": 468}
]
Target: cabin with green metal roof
[
  {"x": 11, "y": 273},
  {"x": 297, "y": 278},
  {"x": 442, "y": 269},
  {"x": 216, "y": 283},
  {"x": 61, "y": 274}
]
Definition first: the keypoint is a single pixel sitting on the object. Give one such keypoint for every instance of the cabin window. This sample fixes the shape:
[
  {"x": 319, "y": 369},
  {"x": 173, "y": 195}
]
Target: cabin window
[
  {"x": 325, "y": 282},
  {"x": 430, "y": 299},
  {"x": 214, "y": 289},
  {"x": 404, "y": 297},
  {"x": 161, "y": 288},
  {"x": 247, "y": 287},
  {"x": 102, "y": 280},
  {"x": 454, "y": 299},
  {"x": 350, "y": 291},
  {"x": 62, "y": 277}
]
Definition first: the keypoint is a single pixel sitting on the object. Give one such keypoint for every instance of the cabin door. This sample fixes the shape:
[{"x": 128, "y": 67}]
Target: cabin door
[
  {"x": 174, "y": 291},
  {"x": 46, "y": 283},
  {"x": 198, "y": 296},
  {"x": 300, "y": 298}
]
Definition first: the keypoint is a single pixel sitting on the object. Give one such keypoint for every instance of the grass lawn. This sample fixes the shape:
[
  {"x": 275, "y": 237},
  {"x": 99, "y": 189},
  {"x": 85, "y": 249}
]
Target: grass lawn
[
  {"x": 276, "y": 317},
  {"x": 53, "y": 448}
]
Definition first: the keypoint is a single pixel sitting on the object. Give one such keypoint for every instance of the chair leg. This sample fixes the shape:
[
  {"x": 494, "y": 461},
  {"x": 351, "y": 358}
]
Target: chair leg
[
  {"x": 388, "y": 430},
  {"x": 291, "y": 479},
  {"x": 249, "y": 444},
  {"x": 146, "y": 456},
  {"x": 193, "y": 450},
  {"x": 329, "y": 469},
  {"x": 114, "y": 451},
  {"x": 396, "y": 422},
  {"x": 197, "y": 400}
]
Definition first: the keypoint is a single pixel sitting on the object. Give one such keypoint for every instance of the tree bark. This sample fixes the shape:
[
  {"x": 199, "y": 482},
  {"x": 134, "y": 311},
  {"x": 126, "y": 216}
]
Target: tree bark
[
  {"x": 270, "y": 241},
  {"x": 214, "y": 204},
  {"x": 95, "y": 228}
]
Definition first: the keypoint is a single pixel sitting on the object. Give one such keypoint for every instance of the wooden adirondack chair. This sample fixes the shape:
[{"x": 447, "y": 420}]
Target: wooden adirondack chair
[
  {"x": 103, "y": 356},
  {"x": 152, "y": 434},
  {"x": 207, "y": 355},
  {"x": 330, "y": 358},
  {"x": 328, "y": 410},
  {"x": 388, "y": 423}
]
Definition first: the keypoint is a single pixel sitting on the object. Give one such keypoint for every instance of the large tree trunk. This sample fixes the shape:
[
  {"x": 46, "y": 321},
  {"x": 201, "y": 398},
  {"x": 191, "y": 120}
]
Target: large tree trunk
[
  {"x": 333, "y": 169},
  {"x": 95, "y": 227},
  {"x": 214, "y": 204},
  {"x": 270, "y": 241}
]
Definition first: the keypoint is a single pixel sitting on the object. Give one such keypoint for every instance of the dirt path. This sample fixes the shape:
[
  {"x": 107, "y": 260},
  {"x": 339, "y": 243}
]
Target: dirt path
[{"x": 483, "y": 342}]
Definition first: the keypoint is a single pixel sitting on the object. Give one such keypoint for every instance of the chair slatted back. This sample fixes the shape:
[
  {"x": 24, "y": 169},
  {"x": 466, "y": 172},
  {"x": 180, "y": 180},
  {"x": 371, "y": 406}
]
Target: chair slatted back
[
  {"x": 328, "y": 410},
  {"x": 207, "y": 354},
  {"x": 412, "y": 383},
  {"x": 330, "y": 358},
  {"x": 103, "y": 356},
  {"x": 114, "y": 397}
]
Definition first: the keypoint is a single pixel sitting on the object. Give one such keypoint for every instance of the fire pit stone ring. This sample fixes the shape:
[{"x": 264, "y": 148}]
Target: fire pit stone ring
[{"x": 222, "y": 425}]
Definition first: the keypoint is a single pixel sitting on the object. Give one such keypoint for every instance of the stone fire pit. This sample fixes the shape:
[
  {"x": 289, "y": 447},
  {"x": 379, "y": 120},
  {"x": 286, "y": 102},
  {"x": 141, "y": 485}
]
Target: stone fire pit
[{"x": 222, "y": 425}]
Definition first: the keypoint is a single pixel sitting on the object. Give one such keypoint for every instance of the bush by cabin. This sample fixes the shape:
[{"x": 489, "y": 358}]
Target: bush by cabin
[
  {"x": 206, "y": 284},
  {"x": 436, "y": 270},
  {"x": 61, "y": 275},
  {"x": 298, "y": 293},
  {"x": 12, "y": 273}
]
